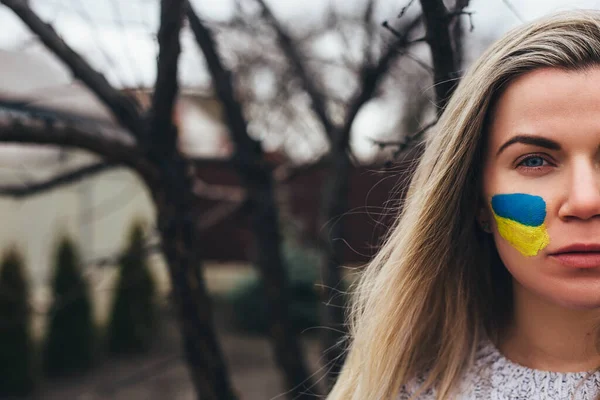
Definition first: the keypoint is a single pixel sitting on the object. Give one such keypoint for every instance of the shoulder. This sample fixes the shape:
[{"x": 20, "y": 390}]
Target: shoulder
[
  {"x": 408, "y": 390},
  {"x": 474, "y": 383}
]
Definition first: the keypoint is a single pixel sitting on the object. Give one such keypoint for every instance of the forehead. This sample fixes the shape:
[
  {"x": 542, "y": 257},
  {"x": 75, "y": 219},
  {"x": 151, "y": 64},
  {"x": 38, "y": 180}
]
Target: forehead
[{"x": 548, "y": 101}]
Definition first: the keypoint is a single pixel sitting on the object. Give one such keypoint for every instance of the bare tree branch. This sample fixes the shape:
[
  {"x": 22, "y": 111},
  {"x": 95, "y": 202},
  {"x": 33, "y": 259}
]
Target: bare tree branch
[
  {"x": 371, "y": 76},
  {"x": 405, "y": 8},
  {"x": 418, "y": 40},
  {"x": 437, "y": 23},
  {"x": 407, "y": 142},
  {"x": 171, "y": 186},
  {"x": 387, "y": 26},
  {"x": 336, "y": 187},
  {"x": 258, "y": 181},
  {"x": 318, "y": 103},
  {"x": 335, "y": 193},
  {"x": 461, "y": 4},
  {"x": 221, "y": 80},
  {"x": 113, "y": 149},
  {"x": 369, "y": 29},
  {"x": 176, "y": 206},
  {"x": 513, "y": 9},
  {"x": 36, "y": 188},
  {"x": 123, "y": 108},
  {"x": 163, "y": 136},
  {"x": 226, "y": 193}
]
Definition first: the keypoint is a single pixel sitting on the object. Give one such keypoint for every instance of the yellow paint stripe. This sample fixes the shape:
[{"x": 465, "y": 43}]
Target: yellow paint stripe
[{"x": 528, "y": 240}]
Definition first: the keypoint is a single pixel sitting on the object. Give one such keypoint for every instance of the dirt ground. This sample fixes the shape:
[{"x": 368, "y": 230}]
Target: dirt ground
[{"x": 162, "y": 374}]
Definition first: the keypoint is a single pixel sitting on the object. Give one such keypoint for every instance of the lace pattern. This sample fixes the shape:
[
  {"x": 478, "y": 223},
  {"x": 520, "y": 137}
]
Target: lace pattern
[{"x": 492, "y": 376}]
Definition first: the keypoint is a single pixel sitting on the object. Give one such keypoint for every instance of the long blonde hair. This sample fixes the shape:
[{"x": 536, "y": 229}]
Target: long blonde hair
[{"x": 437, "y": 285}]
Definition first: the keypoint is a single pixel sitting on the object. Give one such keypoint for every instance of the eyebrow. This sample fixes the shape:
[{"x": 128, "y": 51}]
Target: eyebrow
[{"x": 532, "y": 140}]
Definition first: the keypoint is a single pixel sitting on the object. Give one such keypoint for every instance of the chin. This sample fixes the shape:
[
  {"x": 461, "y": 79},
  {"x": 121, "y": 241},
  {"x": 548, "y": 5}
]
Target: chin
[{"x": 572, "y": 291}]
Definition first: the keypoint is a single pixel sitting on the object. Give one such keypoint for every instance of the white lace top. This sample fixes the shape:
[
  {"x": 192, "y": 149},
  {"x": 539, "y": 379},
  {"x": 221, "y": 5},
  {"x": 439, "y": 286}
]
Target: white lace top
[{"x": 494, "y": 377}]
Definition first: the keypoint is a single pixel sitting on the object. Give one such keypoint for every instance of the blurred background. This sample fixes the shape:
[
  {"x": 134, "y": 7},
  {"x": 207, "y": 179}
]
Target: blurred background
[{"x": 188, "y": 191}]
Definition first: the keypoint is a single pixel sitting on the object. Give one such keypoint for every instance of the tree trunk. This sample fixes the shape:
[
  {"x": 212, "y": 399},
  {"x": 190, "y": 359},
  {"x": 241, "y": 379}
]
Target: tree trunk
[
  {"x": 257, "y": 178},
  {"x": 437, "y": 25},
  {"x": 334, "y": 205},
  {"x": 171, "y": 186},
  {"x": 179, "y": 235},
  {"x": 285, "y": 340}
]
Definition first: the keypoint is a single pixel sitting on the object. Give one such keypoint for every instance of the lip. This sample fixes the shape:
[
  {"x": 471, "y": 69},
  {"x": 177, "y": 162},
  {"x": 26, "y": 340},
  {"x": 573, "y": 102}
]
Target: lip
[{"x": 578, "y": 255}]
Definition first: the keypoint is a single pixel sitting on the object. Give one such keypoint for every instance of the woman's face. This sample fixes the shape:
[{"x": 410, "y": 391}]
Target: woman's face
[{"x": 542, "y": 184}]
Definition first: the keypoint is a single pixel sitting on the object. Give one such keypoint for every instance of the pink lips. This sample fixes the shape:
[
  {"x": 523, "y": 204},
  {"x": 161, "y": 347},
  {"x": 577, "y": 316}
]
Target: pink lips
[{"x": 578, "y": 255}]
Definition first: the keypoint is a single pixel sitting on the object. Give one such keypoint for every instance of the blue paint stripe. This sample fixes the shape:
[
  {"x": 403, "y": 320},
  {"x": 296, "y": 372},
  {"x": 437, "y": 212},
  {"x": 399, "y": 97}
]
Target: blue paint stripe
[{"x": 523, "y": 208}]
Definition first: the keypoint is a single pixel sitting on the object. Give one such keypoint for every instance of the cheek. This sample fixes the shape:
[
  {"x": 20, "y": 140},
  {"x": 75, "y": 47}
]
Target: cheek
[{"x": 520, "y": 221}]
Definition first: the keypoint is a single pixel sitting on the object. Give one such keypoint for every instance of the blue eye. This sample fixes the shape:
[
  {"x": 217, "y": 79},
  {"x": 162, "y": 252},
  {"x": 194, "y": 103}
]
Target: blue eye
[{"x": 533, "y": 162}]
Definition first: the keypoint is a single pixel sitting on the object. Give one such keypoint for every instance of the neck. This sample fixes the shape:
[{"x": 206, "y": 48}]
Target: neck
[{"x": 550, "y": 337}]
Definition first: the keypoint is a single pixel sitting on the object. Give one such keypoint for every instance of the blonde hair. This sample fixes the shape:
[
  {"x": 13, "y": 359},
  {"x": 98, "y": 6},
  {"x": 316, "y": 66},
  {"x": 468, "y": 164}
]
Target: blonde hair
[{"x": 427, "y": 298}]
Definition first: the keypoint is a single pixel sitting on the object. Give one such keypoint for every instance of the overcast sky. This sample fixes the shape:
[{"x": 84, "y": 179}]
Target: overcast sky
[{"x": 115, "y": 35}]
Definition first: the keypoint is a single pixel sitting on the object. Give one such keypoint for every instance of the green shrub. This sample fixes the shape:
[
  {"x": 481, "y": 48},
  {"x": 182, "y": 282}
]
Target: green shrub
[
  {"x": 16, "y": 345},
  {"x": 248, "y": 302},
  {"x": 69, "y": 346},
  {"x": 133, "y": 315}
]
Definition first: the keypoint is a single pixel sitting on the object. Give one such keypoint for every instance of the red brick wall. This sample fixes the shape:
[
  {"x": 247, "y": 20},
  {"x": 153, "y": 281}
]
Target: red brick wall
[{"x": 375, "y": 194}]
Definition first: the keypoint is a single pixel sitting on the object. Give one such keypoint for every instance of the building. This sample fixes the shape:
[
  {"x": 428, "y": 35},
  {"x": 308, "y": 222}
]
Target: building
[{"x": 98, "y": 211}]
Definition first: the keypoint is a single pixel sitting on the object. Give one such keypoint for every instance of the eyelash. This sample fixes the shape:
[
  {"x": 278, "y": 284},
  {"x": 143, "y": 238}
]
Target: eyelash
[{"x": 544, "y": 157}]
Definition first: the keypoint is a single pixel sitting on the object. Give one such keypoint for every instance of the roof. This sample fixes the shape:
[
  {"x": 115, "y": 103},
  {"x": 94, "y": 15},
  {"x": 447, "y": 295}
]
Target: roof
[{"x": 35, "y": 80}]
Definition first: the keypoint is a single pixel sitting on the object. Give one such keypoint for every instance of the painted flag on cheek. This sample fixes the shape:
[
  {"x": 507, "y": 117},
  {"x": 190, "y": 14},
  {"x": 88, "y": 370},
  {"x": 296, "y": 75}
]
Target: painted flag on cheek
[{"x": 520, "y": 220}]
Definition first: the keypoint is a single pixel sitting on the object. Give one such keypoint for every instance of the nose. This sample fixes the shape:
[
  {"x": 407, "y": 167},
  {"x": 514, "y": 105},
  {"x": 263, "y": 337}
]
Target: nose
[{"x": 583, "y": 198}]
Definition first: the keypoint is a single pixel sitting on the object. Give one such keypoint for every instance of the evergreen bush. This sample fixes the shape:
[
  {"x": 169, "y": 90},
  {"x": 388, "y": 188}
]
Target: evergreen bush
[
  {"x": 248, "y": 301},
  {"x": 133, "y": 316},
  {"x": 16, "y": 344},
  {"x": 70, "y": 340}
]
